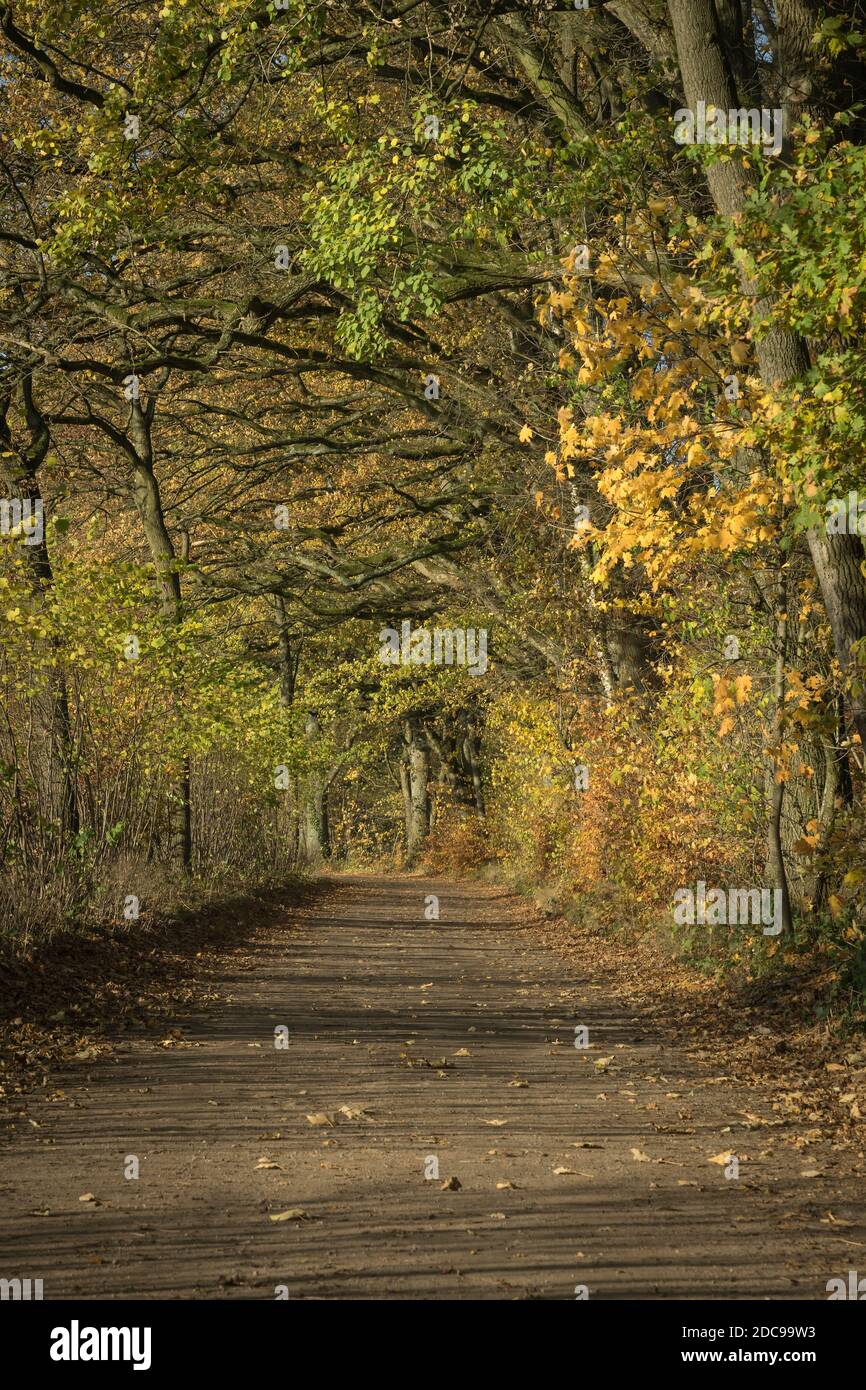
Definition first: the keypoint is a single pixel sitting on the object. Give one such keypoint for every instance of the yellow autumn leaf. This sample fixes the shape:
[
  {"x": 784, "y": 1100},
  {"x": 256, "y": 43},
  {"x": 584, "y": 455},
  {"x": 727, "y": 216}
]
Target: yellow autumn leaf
[{"x": 742, "y": 686}]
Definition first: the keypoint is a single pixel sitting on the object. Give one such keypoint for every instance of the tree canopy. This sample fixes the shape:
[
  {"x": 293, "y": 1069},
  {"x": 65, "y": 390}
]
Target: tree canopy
[{"x": 543, "y": 321}]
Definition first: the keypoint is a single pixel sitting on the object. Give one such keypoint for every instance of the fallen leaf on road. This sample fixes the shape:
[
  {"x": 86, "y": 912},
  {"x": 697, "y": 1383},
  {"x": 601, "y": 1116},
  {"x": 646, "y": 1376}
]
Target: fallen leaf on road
[
  {"x": 721, "y": 1159},
  {"x": 450, "y": 1185},
  {"x": 436, "y": 1063},
  {"x": 319, "y": 1117},
  {"x": 494, "y": 1122},
  {"x": 501, "y": 1186},
  {"x": 640, "y": 1157},
  {"x": 293, "y": 1214},
  {"x": 266, "y": 1163}
]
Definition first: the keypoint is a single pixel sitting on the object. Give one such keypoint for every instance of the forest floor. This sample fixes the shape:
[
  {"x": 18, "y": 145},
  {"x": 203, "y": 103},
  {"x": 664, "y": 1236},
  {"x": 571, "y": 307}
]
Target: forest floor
[{"x": 413, "y": 1043}]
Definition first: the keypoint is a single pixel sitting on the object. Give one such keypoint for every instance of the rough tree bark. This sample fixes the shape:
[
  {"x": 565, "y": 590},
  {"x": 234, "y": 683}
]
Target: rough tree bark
[
  {"x": 416, "y": 760},
  {"x": 315, "y": 833}
]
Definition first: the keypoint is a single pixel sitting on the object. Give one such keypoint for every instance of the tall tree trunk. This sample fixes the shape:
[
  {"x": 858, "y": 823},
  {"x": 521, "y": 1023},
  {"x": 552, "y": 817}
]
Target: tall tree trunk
[
  {"x": 60, "y": 791},
  {"x": 289, "y": 659},
  {"x": 776, "y": 857},
  {"x": 148, "y": 501},
  {"x": 838, "y": 561},
  {"x": 707, "y": 75},
  {"x": 290, "y": 654},
  {"x": 817, "y": 886},
  {"x": 418, "y": 767},
  {"x": 315, "y": 829},
  {"x": 470, "y": 752},
  {"x": 452, "y": 776},
  {"x": 406, "y": 794}
]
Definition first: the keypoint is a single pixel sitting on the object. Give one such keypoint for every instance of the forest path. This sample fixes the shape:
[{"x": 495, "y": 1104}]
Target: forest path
[{"x": 371, "y": 994}]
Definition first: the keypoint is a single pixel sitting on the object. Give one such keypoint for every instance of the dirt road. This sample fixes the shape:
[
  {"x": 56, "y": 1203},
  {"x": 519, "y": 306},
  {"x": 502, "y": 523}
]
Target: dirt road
[{"x": 412, "y": 1044}]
